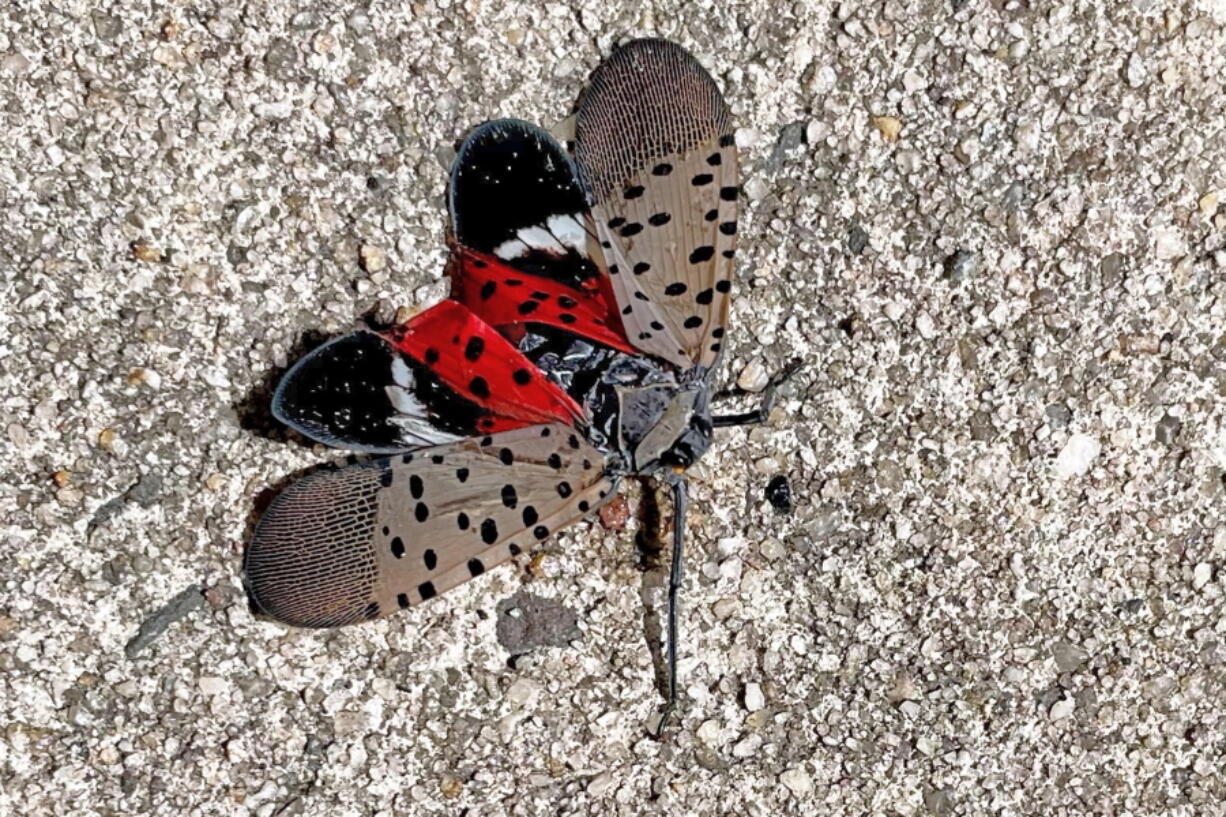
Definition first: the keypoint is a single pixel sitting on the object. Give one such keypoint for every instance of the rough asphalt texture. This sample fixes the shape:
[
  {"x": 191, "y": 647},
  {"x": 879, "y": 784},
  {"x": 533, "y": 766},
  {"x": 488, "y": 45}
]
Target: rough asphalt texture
[{"x": 994, "y": 232}]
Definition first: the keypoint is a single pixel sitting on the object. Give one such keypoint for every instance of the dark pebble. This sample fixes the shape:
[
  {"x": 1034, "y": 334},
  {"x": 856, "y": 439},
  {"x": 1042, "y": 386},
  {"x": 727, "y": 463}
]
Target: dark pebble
[{"x": 779, "y": 493}]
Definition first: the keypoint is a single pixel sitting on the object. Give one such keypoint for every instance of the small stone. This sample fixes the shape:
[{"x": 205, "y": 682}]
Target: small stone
[
  {"x": 755, "y": 189},
  {"x": 144, "y": 377},
  {"x": 211, "y": 685},
  {"x": 1136, "y": 71},
  {"x": 1077, "y": 455},
  {"x": 797, "y": 781},
  {"x": 1140, "y": 345},
  {"x": 925, "y": 326},
  {"x": 1069, "y": 657},
  {"x": 373, "y": 258},
  {"x": 450, "y": 786},
  {"x": 214, "y": 482},
  {"x": 857, "y": 239},
  {"x": 601, "y": 784},
  {"x": 938, "y": 802},
  {"x": 753, "y": 377},
  {"x": 747, "y": 747},
  {"x": 903, "y": 689},
  {"x": 1167, "y": 429},
  {"x": 726, "y": 608},
  {"x": 779, "y": 493},
  {"x": 772, "y": 550},
  {"x": 1169, "y": 244},
  {"x": 145, "y": 252},
  {"x": 1208, "y": 204},
  {"x": 888, "y": 126},
  {"x": 402, "y": 316},
  {"x": 1058, "y": 415},
  {"x": 1201, "y": 575},
  {"x": 913, "y": 81},
  {"x": 106, "y": 439},
  {"x": 816, "y": 131},
  {"x": 62, "y": 478},
  {"x": 614, "y": 514},
  {"x": 1061, "y": 709},
  {"x": 524, "y": 692},
  {"x": 961, "y": 265},
  {"x": 754, "y": 699}
]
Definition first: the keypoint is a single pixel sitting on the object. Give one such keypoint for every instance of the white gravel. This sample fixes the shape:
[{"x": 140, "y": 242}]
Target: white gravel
[{"x": 993, "y": 232}]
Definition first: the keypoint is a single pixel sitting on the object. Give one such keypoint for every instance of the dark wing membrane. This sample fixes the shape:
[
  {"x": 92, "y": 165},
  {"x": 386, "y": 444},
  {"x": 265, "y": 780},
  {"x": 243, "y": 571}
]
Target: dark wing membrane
[
  {"x": 358, "y": 392},
  {"x": 357, "y": 543},
  {"x": 514, "y": 195},
  {"x": 654, "y": 145}
]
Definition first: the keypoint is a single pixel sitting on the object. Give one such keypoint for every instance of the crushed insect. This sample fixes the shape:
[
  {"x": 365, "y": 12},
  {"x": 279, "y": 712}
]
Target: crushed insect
[{"x": 588, "y": 308}]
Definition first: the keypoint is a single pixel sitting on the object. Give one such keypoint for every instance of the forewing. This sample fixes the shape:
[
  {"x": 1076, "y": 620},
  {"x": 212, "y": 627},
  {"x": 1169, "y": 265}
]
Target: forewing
[
  {"x": 360, "y": 542},
  {"x": 654, "y": 145}
]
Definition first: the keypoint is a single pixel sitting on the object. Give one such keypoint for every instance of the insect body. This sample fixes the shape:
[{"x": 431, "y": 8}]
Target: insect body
[{"x": 588, "y": 306}]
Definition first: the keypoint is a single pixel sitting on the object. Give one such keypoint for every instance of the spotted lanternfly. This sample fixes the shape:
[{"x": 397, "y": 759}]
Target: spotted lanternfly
[{"x": 589, "y": 300}]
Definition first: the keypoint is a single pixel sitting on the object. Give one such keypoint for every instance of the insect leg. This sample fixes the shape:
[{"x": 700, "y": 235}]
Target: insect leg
[
  {"x": 759, "y": 414},
  {"x": 674, "y": 586}
]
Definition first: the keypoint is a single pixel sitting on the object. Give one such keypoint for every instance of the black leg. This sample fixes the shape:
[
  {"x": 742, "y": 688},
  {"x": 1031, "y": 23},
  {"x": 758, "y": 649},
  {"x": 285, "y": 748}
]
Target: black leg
[
  {"x": 763, "y": 410},
  {"x": 674, "y": 586}
]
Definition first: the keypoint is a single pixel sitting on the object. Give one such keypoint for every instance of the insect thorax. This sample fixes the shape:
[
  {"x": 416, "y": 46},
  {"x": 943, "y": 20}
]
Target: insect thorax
[{"x": 643, "y": 417}]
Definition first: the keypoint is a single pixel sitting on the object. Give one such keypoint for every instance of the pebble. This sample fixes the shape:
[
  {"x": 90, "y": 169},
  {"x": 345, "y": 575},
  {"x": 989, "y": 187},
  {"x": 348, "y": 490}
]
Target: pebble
[
  {"x": 211, "y": 685},
  {"x": 857, "y": 239},
  {"x": 601, "y": 784},
  {"x": 961, "y": 265},
  {"x": 925, "y": 326},
  {"x": 797, "y": 781},
  {"x": 1208, "y": 204},
  {"x": 1169, "y": 243},
  {"x": 524, "y": 692},
  {"x": 754, "y": 699},
  {"x": 753, "y": 378},
  {"x": 1061, "y": 709},
  {"x": 888, "y": 126},
  {"x": 816, "y": 131},
  {"x": 1058, "y": 415},
  {"x": 1201, "y": 575},
  {"x": 748, "y": 747},
  {"x": 373, "y": 258},
  {"x": 779, "y": 493},
  {"x": 1077, "y": 455},
  {"x": 913, "y": 81},
  {"x": 450, "y": 786},
  {"x": 772, "y": 550},
  {"x": 1167, "y": 429},
  {"x": 1136, "y": 71}
]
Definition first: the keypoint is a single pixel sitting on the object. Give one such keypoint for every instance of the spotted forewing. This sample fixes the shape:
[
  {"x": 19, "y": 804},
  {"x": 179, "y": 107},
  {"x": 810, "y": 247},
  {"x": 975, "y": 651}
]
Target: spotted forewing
[
  {"x": 655, "y": 148},
  {"x": 359, "y": 542}
]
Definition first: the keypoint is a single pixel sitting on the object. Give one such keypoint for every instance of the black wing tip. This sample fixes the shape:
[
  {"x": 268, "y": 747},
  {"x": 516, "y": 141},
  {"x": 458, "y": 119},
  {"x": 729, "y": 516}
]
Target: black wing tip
[{"x": 304, "y": 395}]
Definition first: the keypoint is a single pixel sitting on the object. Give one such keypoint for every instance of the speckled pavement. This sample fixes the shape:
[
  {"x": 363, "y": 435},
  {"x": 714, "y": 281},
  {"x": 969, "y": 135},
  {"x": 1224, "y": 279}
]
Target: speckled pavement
[{"x": 995, "y": 233}]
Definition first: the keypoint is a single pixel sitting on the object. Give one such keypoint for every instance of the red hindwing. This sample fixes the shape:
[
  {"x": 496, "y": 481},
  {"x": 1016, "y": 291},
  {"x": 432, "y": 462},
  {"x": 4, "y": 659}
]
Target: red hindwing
[
  {"x": 469, "y": 356},
  {"x": 503, "y": 296}
]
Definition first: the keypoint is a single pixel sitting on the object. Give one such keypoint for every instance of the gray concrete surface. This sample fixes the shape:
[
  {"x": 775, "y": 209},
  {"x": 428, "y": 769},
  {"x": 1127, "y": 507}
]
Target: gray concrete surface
[{"x": 995, "y": 233}]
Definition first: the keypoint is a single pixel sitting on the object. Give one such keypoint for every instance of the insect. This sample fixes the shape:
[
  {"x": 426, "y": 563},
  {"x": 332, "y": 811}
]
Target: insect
[{"x": 589, "y": 302}]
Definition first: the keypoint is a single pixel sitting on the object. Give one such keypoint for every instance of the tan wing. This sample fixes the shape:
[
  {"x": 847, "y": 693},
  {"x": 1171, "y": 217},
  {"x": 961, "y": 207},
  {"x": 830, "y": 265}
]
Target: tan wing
[
  {"x": 654, "y": 144},
  {"x": 360, "y": 542}
]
